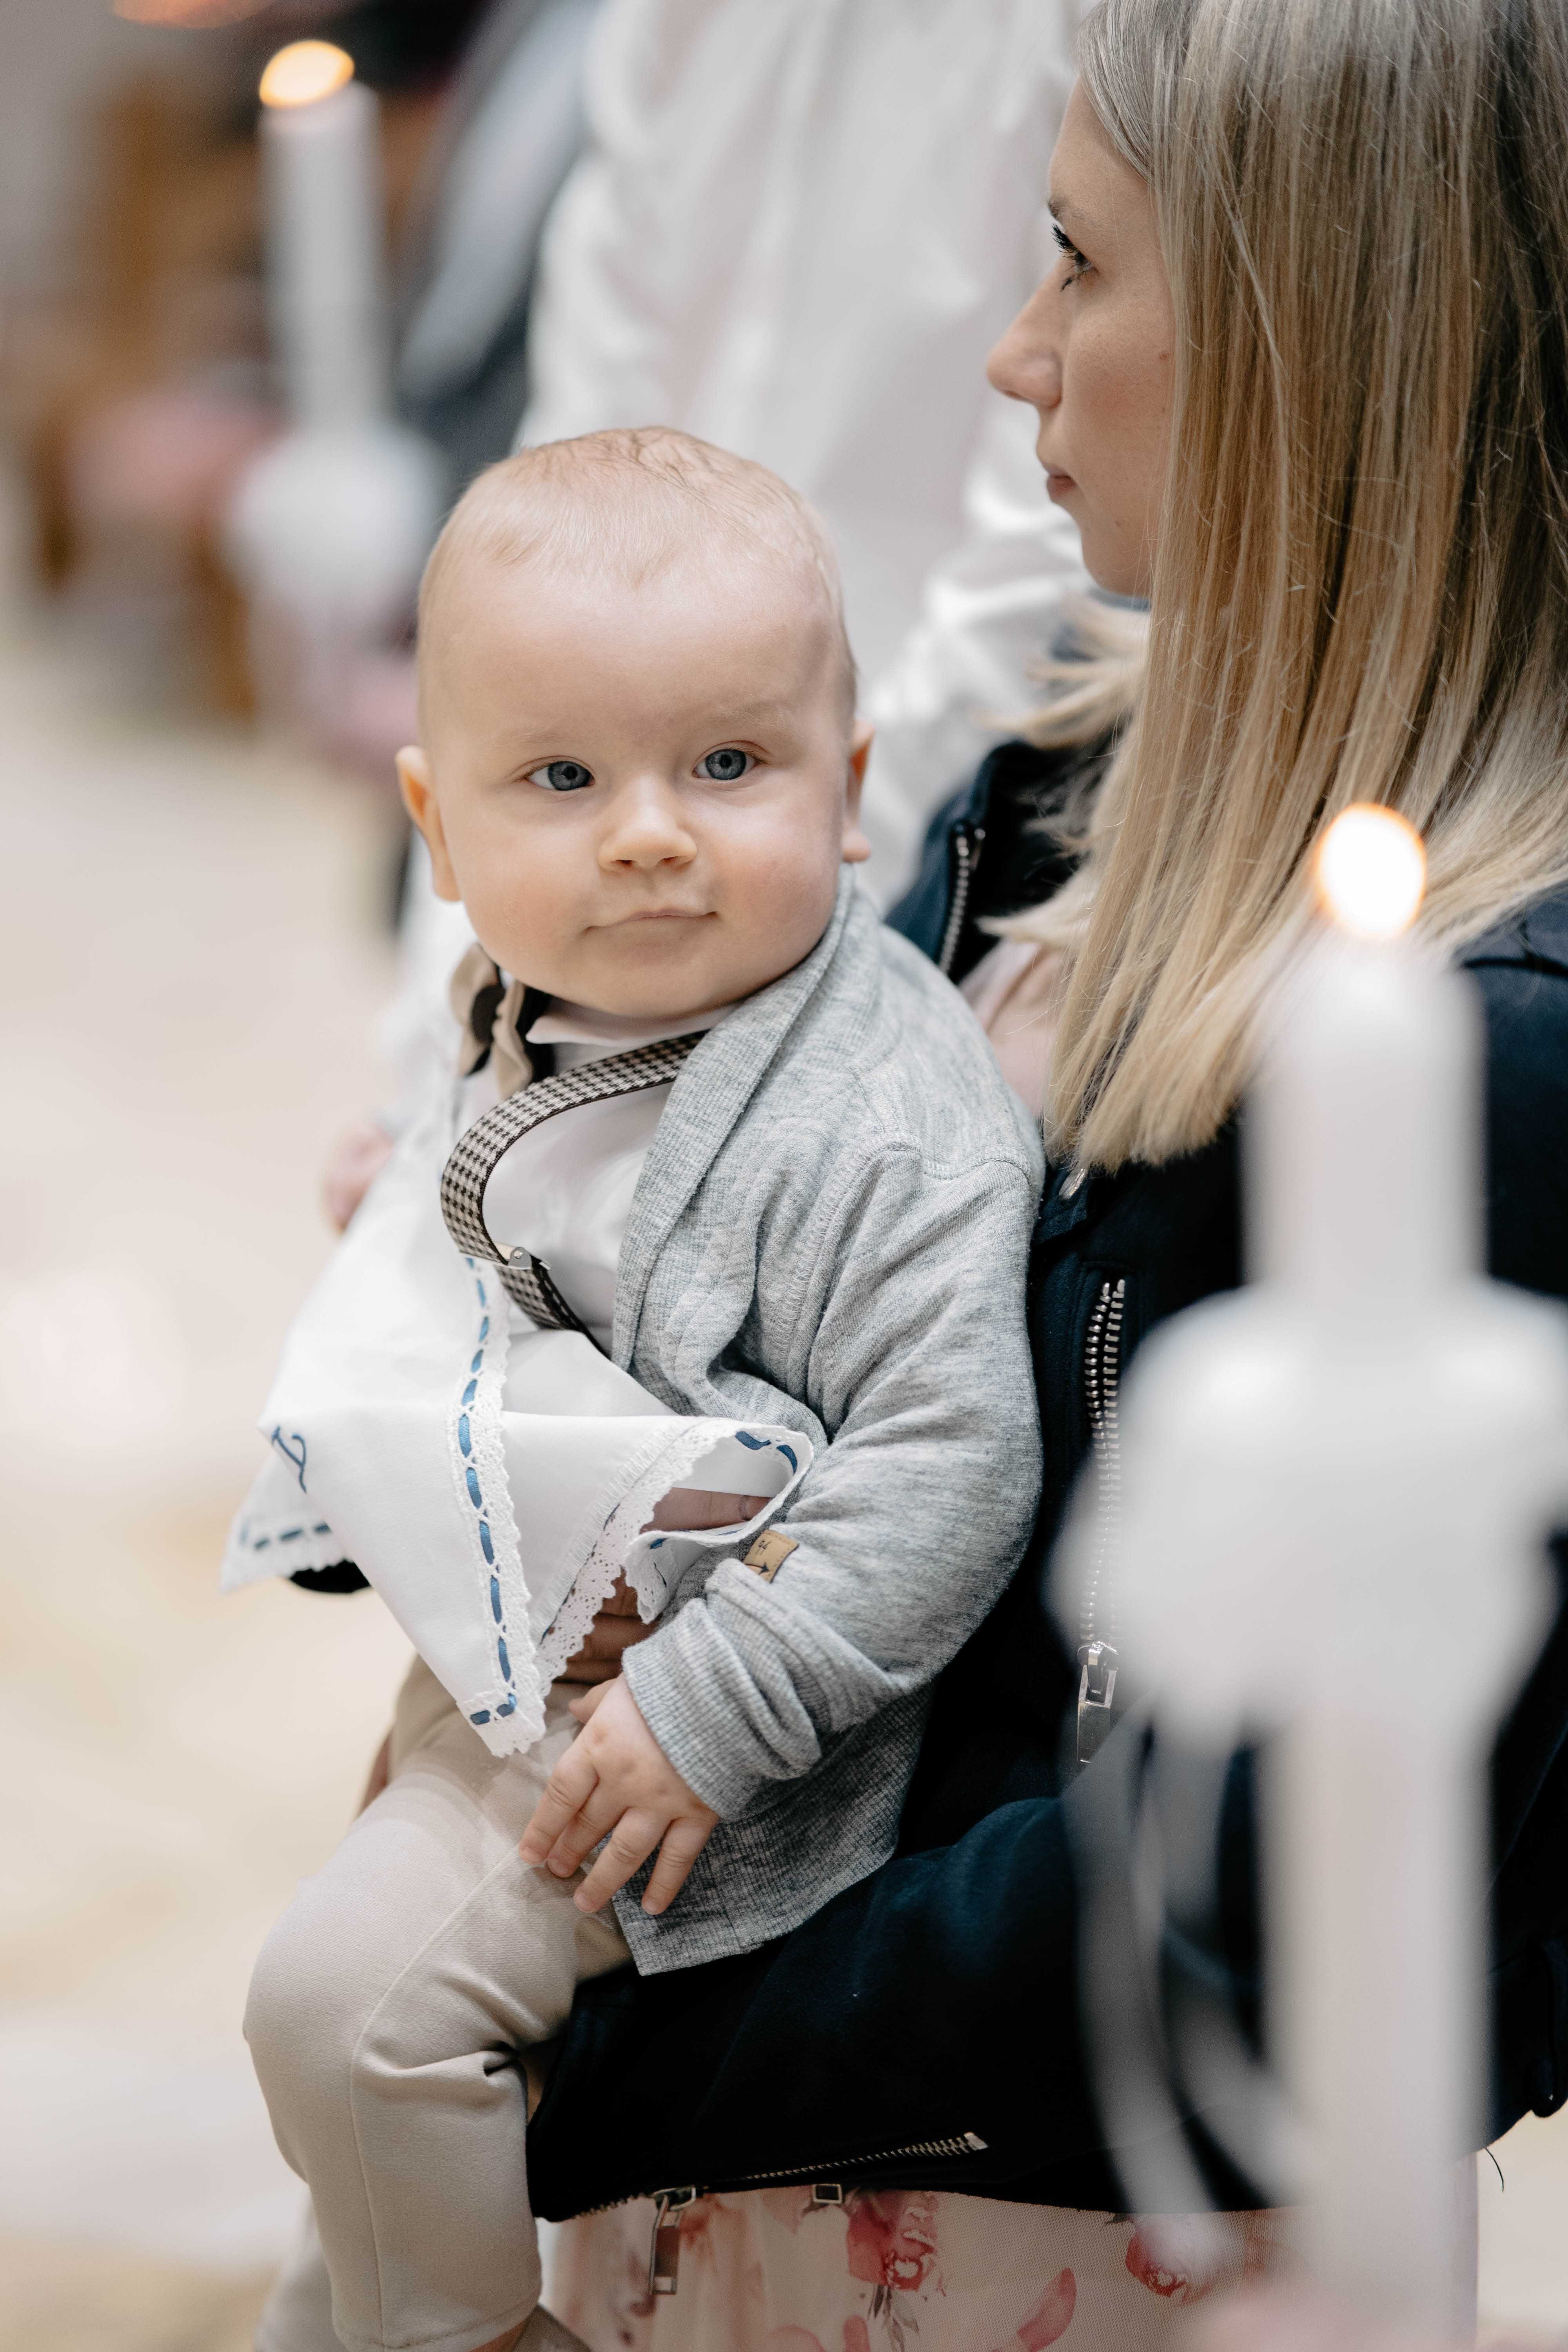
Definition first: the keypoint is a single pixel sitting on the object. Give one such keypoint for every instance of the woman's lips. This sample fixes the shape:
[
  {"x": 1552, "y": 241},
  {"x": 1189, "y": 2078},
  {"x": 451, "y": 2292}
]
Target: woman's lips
[{"x": 1058, "y": 483}]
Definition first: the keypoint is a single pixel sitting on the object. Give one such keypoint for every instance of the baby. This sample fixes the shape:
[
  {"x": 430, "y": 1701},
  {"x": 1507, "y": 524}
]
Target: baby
[{"x": 732, "y": 1198}]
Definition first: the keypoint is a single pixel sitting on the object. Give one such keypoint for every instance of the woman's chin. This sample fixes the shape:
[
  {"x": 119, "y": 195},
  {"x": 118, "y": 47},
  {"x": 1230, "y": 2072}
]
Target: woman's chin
[{"x": 1109, "y": 569}]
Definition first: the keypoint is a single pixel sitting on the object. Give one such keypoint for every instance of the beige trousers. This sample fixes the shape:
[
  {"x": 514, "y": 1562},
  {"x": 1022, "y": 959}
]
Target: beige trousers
[{"x": 387, "y": 2017}]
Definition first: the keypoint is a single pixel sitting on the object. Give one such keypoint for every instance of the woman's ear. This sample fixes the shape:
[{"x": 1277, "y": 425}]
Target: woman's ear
[
  {"x": 856, "y": 848},
  {"x": 419, "y": 800}
]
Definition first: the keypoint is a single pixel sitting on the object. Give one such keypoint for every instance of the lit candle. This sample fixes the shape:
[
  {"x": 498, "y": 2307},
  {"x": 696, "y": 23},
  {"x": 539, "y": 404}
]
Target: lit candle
[
  {"x": 328, "y": 528},
  {"x": 1337, "y": 1485},
  {"x": 320, "y": 146}
]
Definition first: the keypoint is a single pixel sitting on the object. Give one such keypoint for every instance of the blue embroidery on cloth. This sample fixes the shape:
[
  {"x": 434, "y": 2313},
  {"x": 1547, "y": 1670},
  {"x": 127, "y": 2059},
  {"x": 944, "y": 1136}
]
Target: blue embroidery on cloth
[
  {"x": 476, "y": 1497},
  {"x": 296, "y": 1461}
]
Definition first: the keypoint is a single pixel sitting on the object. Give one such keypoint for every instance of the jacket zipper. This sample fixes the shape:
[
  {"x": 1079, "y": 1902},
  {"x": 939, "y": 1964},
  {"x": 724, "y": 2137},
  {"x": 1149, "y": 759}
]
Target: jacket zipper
[
  {"x": 1097, "y": 1654},
  {"x": 964, "y": 848},
  {"x": 669, "y": 2204}
]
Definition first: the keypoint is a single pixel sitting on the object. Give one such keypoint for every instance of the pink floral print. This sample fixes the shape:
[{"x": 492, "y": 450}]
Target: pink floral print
[
  {"x": 892, "y": 2239},
  {"x": 900, "y": 2271},
  {"x": 1183, "y": 2256}
]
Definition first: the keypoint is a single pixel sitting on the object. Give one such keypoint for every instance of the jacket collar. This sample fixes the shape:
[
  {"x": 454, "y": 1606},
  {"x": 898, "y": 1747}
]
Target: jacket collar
[
  {"x": 1535, "y": 935},
  {"x": 710, "y": 1095}
]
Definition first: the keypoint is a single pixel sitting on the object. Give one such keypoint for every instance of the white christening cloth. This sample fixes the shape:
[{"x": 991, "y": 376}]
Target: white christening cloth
[{"x": 488, "y": 1479}]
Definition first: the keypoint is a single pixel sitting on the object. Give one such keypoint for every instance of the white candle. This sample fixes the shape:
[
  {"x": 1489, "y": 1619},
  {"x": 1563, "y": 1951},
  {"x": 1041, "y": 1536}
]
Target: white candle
[
  {"x": 320, "y": 146},
  {"x": 1337, "y": 1485},
  {"x": 328, "y": 528},
  {"x": 1364, "y": 1208}
]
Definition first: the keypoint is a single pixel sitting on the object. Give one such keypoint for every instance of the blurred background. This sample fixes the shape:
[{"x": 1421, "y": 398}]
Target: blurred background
[
  {"x": 202, "y": 865},
  {"x": 197, "y": 951}
]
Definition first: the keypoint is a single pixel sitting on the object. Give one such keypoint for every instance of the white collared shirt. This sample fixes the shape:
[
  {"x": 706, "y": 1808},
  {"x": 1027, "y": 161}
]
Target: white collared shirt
[{"x": 564, "y": 1192}]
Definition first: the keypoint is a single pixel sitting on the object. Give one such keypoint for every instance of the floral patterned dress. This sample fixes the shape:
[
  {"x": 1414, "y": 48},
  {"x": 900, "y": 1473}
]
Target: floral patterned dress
[{"x": 898, "y": 2270}]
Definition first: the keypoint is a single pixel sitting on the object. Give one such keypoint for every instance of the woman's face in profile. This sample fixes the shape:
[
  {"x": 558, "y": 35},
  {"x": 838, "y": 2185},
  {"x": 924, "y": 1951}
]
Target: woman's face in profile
[{"x": 1092, "y": 353}]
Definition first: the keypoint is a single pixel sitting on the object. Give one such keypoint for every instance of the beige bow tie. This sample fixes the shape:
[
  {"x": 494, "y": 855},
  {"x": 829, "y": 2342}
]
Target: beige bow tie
[{"x": 489, "y": 1011}]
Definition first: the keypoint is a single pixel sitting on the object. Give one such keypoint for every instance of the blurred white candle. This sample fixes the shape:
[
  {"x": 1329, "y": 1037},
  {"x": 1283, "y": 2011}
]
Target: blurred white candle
[
  {"x": 1337, "y": 1483},
  {"x": 328, "y": 529},
  {"x": 321, "y": 160},
  {"x": 1364, "y": 1203}
]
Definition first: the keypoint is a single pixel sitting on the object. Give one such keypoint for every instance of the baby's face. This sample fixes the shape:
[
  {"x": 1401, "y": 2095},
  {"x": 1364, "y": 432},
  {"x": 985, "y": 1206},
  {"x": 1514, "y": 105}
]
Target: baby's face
[{"x": 641, "y": 795}]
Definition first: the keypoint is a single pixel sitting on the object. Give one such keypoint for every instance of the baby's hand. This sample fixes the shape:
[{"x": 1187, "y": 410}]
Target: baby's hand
[{"x": 615, "y": 1778}]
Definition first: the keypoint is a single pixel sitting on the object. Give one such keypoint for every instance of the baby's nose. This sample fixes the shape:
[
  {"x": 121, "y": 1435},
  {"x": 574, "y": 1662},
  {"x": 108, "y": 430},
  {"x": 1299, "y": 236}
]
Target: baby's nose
[{"x": 645, "y": 828}]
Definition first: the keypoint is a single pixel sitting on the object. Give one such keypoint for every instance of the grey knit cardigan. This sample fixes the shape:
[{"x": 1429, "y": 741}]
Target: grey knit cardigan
[{"x": 831, "y": 1231}]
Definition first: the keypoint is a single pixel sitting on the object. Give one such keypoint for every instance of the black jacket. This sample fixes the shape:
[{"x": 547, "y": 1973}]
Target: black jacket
[{"x": 923, "y": 2029}]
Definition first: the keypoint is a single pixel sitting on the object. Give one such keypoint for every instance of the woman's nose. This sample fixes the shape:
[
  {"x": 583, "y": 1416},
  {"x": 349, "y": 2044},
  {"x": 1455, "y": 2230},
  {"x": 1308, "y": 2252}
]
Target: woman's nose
[
  {"x": 645, "y": 829},
  {"x": 1026, "y": 363}
]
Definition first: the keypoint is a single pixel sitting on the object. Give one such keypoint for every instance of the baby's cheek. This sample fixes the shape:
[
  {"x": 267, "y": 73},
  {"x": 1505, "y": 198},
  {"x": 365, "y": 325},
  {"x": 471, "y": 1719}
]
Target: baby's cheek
[{"x": 788, "y": 888}]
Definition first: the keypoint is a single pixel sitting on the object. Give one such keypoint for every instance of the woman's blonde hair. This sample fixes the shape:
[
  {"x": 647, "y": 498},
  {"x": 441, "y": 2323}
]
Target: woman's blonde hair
[{"x": 1361, "y": 588}]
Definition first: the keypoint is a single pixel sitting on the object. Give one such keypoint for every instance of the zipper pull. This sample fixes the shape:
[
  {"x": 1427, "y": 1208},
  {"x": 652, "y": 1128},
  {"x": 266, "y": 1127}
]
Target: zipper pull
[
  {"x": 664, "y": 2252},
  {"x": 1095, "y": 1698}
]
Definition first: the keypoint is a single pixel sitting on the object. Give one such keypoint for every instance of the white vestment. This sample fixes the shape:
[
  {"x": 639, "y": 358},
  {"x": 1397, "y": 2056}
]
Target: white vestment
[
  {"x": 797, "y": 230},
  {"x": 490, "y": 1479}
]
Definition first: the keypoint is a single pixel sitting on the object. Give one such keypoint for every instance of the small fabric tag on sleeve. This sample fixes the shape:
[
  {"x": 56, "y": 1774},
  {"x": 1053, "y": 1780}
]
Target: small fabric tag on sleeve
[{"x": 768, "y": 1554}]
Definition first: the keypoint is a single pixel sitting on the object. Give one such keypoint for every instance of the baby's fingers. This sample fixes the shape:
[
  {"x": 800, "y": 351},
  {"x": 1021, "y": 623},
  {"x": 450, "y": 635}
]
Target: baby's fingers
[
  {"x": 683, "y": 1843},
  {"x": 628, "y": 1847},
  {"x": 583, "y": 1832},
  {"x": 566, "y": 1792}
]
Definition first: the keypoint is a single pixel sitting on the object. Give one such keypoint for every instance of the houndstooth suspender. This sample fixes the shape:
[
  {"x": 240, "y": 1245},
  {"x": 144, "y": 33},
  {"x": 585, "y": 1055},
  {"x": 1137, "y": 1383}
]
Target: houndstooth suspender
[{"x": 480, "y": 1149}]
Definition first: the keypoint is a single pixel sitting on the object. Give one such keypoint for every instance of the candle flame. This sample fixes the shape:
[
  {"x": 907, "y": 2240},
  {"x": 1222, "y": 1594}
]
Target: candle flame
[
  {"x": 304, "y": 72},
  {"x": 1370, "y": 871}
]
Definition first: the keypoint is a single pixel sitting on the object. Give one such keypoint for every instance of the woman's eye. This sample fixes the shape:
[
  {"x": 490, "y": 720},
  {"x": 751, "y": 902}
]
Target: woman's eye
[
  {"x": 726, "y": 767},
  {"x": 562, "y": 776},
  {"x": 1077, "y": 262}
]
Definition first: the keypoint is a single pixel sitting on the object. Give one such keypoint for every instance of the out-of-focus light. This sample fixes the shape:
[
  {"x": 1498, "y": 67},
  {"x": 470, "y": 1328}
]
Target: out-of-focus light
[
  {"x": 304, "y": 72},
  {"x": 189, "y": 15},
  {"x": 1371, "y": 872}
]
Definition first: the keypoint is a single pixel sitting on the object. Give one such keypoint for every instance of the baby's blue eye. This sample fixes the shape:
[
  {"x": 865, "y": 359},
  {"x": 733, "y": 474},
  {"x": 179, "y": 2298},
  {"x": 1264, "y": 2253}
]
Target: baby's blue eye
[
  {"x": 561, "y": 776},
  {"x": 725, "y": 767}
]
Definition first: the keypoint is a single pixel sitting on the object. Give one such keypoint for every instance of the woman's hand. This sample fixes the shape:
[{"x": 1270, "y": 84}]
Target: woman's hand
[
  {"x": 615, "y": 1782},
  {"x": 693, "y": 1510},
  {"x": 356, "y": 1160},
  {"x": 687, "y": 1509}
]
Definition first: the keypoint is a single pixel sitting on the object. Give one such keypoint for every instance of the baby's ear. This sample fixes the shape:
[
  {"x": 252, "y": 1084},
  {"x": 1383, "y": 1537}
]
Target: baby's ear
[
  {"x": 419, "y": 800},
  {"x": 856, "y": 848}
]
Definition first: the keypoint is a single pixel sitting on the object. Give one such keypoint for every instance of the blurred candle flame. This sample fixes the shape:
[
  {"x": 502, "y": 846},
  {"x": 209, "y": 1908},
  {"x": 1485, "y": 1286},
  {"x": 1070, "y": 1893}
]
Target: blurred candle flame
[
  {"x": 1371, "y": 872},
  {"x": 305, "y": 72}
]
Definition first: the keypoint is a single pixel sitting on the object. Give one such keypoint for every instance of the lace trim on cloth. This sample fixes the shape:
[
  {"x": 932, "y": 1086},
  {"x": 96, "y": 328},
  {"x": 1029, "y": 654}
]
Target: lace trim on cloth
[
  {"x": 513, "y": 1717},
  {"x": 613, "y": 1554}
]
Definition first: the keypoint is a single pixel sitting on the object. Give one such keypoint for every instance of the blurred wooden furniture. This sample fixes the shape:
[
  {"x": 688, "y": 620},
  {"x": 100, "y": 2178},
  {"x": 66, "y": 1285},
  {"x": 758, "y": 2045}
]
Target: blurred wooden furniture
[{"x": 137, "y": 395}]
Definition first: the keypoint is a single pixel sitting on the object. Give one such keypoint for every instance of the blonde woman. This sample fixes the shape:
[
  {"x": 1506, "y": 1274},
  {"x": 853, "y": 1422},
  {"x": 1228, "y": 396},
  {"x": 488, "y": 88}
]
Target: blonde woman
[{"x": 1302, "y": 384}]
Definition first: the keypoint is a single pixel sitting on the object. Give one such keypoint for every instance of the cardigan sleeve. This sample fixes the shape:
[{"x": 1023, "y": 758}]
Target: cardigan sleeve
[{"x": 914, "y": 1515}]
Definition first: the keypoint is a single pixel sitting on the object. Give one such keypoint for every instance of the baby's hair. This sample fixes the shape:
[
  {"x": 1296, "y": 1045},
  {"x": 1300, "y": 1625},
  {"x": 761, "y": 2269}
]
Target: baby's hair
[{"x": 628, "y": 500}]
